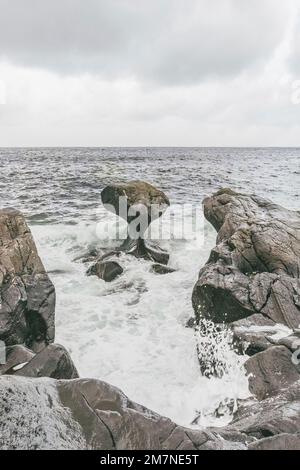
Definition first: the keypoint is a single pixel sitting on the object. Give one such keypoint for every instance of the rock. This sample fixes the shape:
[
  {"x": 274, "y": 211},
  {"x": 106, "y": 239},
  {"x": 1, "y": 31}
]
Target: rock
[
  {"x": 254, "y": 269},
  {"x": 89, "y": 414},
  {"x": 252, "y": 335},
  {"x": 27, "y": 294},
  {"x": 271, "y": 417},
  {"x": 106, "y": 270},
  {"x": 282, "y": 441},
  {"x": 161, "y": 269},
  {"x": 15, "y": 356},
  {"x": 141, "y": 203},
  {"x": 271, "y": 371},
  {"x": 144, "y": 249},
  {"x": 136, "y": 195},
  {"x": 54, "y": 362}
]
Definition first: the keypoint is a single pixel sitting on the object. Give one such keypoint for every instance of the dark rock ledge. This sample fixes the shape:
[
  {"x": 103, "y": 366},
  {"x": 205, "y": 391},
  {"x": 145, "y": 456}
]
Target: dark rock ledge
[{"x": 38, "y": 412}]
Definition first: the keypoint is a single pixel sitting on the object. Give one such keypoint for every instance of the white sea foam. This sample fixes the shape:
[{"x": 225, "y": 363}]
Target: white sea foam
[{"x": 132, "y": 332}]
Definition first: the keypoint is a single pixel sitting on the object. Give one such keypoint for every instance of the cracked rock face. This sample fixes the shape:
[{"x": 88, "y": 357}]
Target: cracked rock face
[
  {"x": 90, "y": 414},
  {"x": 27, "y": 296},
  {"x": 255, "y": 266}
]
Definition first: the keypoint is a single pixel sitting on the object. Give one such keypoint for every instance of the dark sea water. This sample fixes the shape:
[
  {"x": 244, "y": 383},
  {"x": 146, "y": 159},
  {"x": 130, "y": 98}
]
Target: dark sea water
[
  {"x": 54, "y": 185},
  {"x": 132, "y": 333}
]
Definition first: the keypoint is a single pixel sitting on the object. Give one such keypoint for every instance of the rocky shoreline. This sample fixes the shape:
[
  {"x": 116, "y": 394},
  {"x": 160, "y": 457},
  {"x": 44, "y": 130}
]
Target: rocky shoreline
[{"x": 249, "y": 285}]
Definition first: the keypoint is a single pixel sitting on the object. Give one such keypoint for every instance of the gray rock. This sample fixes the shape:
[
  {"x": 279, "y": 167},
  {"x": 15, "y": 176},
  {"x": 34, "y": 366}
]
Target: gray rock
[
  {"x": 282, "y": 441},
  {"x": 26, "y": 292},
  {"x": 161, "y": 269},
  {"x": 142, "y": 203},
  {"x": 255, "y": 266},
  {"x": 89, "y": 414},
  {"x": 15, "y": 356},
  {"x": 106, "y": 270},
  {"x": 135, "y": 193},
  {"x": 271, "y": 371},
  {"x": 54, "y": 362}
]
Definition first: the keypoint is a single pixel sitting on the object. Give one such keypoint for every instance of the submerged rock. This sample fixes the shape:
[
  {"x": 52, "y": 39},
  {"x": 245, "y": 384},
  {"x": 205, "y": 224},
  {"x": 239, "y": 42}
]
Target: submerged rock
[
  {"x": 26, "y": 292},
  {"x": 161, "y": 269},
  {"x": 254, "y": 269},
  {"x": 106, "y": 270}
]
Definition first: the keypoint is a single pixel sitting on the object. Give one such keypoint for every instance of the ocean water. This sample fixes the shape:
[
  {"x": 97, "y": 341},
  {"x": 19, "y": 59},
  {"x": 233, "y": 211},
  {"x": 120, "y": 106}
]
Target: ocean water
[{"x": 132, "y": 332}]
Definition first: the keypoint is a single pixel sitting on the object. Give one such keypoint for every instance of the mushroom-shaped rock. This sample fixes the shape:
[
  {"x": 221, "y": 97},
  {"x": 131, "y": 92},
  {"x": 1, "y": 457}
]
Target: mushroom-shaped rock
[
  {"x": 129, "y": 200},
  {"x": 139, "y": 203}
]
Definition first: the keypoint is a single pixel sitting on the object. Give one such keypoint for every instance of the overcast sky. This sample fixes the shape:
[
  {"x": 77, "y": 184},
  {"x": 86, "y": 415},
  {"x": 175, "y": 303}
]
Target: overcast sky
[{"x": 149, "y": 72}]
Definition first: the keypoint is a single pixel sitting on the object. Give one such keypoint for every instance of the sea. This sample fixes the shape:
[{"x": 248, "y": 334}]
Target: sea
[{"x": 133, "y": 333}]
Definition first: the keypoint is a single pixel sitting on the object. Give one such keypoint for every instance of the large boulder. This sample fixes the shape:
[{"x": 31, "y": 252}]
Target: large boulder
[
  {"x": 105, "y": 270},
  {"x": 254, "y": 269},
  {"x": 139, "y": 203},
  {"x": 27, "y": 296},
  {"x": 89, "y": 414},
  {"x": 136, "y": 196}
]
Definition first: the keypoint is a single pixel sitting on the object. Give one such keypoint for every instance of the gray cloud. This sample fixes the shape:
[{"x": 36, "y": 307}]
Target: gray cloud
[{"x": 164, "y": 41}]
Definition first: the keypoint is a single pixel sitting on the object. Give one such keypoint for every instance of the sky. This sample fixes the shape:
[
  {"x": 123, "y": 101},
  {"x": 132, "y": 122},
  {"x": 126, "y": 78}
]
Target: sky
[{"x": 149, "y": 73}]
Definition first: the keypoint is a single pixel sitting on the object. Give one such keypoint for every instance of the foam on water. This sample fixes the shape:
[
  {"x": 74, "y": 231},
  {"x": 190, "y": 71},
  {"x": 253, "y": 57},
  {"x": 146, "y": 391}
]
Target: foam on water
[{"x": 132, "y": 332}]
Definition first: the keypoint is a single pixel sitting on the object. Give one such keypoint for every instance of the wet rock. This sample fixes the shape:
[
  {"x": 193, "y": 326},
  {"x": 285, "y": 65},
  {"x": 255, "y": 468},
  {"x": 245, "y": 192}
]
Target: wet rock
[
  {"x": 106, "y": 270},
  {"x": 54, "y": 362},
  {"x": 271, "y": 371},
  {"x": 89, "y": 414},
  {"x": 282, "y": 441},
  {"x": 135, "y": 194},
  {"x": 139, "y": 203},
  {"x": 254, "y": 269},
  {"x": 252, "y": 335},
  {"x": 27, "y": 294},
  {"x": 161, "y": 269},
  {"x": 271, "y": 417},
  {"x": 15, "y": 356}
]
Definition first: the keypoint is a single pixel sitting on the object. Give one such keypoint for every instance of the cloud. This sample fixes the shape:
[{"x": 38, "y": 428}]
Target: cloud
[{"x": 166, "y": 42}]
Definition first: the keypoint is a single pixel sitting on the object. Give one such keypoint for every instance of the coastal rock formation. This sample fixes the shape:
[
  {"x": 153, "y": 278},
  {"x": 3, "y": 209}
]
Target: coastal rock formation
[
  {"x": 271, "y": 371},
  {"x": 254, "y": 269},
  {"x": 90, "y": 414},
  {"x": 139, "y": 203},
  {"x": 138, "y": 196},
  {"x": 27, "y": 296}
]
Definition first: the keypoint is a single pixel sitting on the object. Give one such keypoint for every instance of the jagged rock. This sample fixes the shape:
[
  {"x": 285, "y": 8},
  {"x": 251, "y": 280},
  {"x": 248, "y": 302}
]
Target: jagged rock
[
  {"x": 253, "y": 334},
  {"x": 54, "y": 362},
  {"x": 271, "y": 371},
  {"x": 27, "y": 296},
  {"x": 106, "y": 270},
  {"x": 141, "y": 203},
  {"x": 271, "y": 417},
  {"x": 89, "y": 414},
  {"x": 254, "y": 269},
  {"x": 161, "y": 269},
  {"x": 282, "y": 441},
  {"x": 15, "y": 356}
]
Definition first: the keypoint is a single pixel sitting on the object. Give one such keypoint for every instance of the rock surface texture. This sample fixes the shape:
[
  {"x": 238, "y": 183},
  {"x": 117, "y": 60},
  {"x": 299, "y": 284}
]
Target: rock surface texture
[
  {"x": 27, "y": 296},
  {"x": 254, "y": 269}
]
